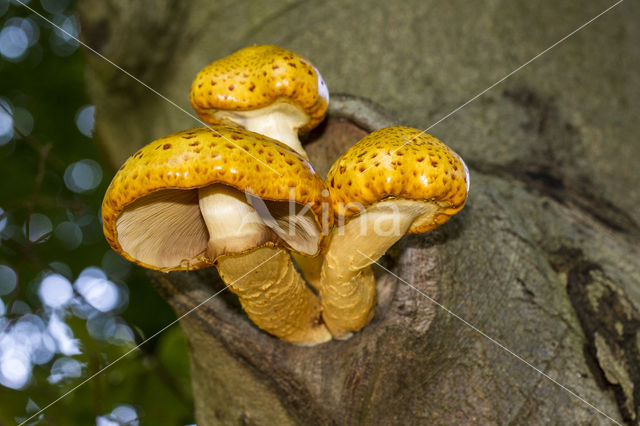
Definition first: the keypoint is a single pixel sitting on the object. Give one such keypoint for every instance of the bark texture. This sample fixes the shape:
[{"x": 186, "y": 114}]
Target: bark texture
[{"x": 545, "y": 257}]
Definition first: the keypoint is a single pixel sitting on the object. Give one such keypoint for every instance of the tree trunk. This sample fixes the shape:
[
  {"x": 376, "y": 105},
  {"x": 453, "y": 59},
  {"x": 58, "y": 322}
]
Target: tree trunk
[{"x": 525, "y": 307}]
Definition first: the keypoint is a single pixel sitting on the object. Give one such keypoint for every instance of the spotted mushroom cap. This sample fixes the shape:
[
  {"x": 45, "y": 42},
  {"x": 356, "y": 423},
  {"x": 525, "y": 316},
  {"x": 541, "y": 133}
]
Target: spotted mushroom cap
[
  {"x": 399, "y": 163},
  {"x": 256, "y": 77},
  {"x": 160, "y": 181}
]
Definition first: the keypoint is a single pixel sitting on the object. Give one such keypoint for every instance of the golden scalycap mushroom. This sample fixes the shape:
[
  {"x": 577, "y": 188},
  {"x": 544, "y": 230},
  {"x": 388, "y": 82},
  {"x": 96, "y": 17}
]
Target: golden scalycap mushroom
[
  {"x": 256, "y": 77},
  {"x": 233, "y": 198},
  {"x": 394, "y": 181},
  {"x": 265, "y": 89},
  {"x": 151, "y": 213},
  {"x": 400, "y": 163}
]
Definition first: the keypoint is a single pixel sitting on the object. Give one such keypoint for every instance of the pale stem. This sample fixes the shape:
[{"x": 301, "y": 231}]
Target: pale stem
[
  {"x": 274, "y": 295},
  {"x": 348, "y": 289},
  {"x": 279, "y": 121}
]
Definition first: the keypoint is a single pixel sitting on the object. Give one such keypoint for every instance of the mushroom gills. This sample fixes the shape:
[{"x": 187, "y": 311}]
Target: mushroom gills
[
  {"x": 164, "y": 229},
  {"x": 280, "y": 121},
  {"x": 348, "y": 288}
]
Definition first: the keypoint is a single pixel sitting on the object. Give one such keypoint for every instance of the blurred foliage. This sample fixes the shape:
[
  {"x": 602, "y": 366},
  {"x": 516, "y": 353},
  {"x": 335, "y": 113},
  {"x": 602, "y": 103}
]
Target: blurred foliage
[{"x": 53, "y": 179}]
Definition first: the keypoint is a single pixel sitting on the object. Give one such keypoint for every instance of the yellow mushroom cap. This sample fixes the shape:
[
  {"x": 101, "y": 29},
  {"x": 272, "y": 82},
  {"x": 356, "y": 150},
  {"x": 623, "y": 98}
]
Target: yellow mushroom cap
[
  {"x": 256, "y": 77},
  {"x": 399, "y": 163},
  {"x": 161, "y": 182}
]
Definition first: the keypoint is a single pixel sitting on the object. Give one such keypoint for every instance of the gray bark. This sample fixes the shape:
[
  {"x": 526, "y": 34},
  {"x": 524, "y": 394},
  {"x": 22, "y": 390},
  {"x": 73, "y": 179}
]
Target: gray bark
[{"x": 544, "y": 258}]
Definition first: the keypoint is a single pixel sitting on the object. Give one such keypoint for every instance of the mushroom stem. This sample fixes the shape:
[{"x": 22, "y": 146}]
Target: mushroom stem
[
  {"x": 233, "y": 224},
  {"x": 348, "y": 289},
  {"x": 310, "y": 267},
  {"x": 273, "y": 295},
  {"x": 279, "y": 121}
]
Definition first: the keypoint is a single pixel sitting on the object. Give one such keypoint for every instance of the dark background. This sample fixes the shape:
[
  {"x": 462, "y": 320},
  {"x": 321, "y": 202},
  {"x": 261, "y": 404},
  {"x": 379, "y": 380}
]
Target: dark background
[{"x": 53, "y": 178}]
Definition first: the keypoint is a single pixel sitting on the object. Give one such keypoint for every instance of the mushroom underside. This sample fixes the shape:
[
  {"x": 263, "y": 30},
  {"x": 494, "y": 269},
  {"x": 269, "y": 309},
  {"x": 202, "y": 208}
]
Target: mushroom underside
[
  {"x": 166, "y": 229},
  {"x": 376, "y": 229},
  {"x": 280, "y": 121}
]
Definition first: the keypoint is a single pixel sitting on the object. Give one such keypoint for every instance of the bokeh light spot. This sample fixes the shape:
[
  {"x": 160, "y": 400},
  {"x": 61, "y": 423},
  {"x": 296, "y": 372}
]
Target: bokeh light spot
[
  {"x": 55, "y": 291},
  {"x": 19, "y": 307},
  {"x": 30, "y": 28},
  {"x": 39, "y": 228},
  {"x": 3, "y": 219},
  {"x": 122, "y": 334},
  {"x": 64, "y": 37},
  {"x": 8, "y": 280},
  {"x": 55, "y": 6},
  {"x": 97, "y": 290},
  {"x": 65, "y": 368},
  {"x": 45, "y": 351},
  {"x": 22, "y": 345},
  {"x": 13, "y": 42},
  {"x": 92, "y": 272},
  {"x": 125, "y": 414},
  {"x": 85, "y": 120},
  {"x": 15, "y": 371},
  {"x": 83, "y": 175},
  {"x": 99, "y": 293},
  {"x": 121, "y": 415},
  {"x": 63, "y": 336},
  {"x": 105, "y": 421},
  {"x": 6, "y": 122}
]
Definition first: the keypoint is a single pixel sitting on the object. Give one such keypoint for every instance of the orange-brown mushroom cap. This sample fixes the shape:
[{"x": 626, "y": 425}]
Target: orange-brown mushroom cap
[
  {"x": 166, "y": 174},
  {"x": 256, "y": 77},
  {"x": 399, "y": 163}
]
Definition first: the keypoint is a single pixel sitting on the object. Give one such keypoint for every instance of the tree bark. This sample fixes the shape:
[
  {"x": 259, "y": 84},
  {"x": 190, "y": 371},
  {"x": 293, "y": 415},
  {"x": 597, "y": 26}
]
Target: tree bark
[{"x": 540, "y": 269}]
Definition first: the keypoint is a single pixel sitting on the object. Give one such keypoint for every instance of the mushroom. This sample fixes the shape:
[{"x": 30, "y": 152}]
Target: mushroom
[
  {"x": 395, "y": 181},
  {"x": 193, "y": 199},
  {"x": 265, "y": 89}
]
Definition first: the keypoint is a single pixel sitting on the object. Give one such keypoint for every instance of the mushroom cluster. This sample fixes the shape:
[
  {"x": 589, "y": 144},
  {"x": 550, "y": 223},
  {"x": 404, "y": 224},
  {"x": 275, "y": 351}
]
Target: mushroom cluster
[{"x": 241, "y": 195}]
